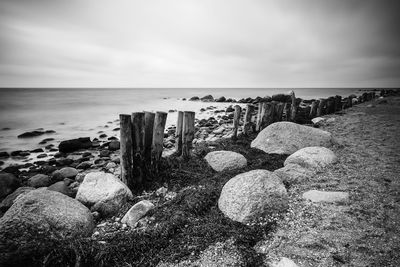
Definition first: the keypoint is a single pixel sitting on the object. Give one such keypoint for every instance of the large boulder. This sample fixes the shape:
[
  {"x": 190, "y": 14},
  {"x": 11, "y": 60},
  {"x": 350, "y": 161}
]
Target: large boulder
[
  {"x": 137, "y": 211},
  {"x": 74, "y": 144},
  {"x": 288, "y": 137},
  {"x": 39, "y": 180},
  {"x": 254, "y": 195},
  {"x": 8, "y": 183},
  {"x": 103, "y": 192},
  {"x": 9, "y": 200},
  {"x": 225, "y": 160},
  {"x": 312, "y": 158},
  {"x": 39, "y": 216}
]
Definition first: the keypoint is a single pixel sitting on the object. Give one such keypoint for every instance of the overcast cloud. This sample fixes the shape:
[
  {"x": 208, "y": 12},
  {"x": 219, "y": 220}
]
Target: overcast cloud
[{"x": 203, "y": 43}]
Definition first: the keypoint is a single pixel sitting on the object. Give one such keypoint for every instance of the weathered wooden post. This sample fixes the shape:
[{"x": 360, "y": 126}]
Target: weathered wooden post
[
  {"x": 269, "y": 114},
  {"x": 313, "y": 109},
  {"x": 330, "y": 105},
  {"x": 178, "y": 133},
  {"x": 338, "y": 105},
  {"x": 126, "y": 150},
  {"x": 187, "y": 133},
  {"x": 247, "y": 119},
  {"x": 278, "y": 111},
  {"x": 236, "y": 118},
  {"x": 293, "y": 107},
  {"x": 321, "y": 107},
  {"x": 158, "y": 139},
  {"x": 148, "y": 135},
  {"x": 260, "y": 110},
  {"x": 350, "y": 101},
  {"x": 138, "y": 148},
  {"x": 287, "y": 111}
]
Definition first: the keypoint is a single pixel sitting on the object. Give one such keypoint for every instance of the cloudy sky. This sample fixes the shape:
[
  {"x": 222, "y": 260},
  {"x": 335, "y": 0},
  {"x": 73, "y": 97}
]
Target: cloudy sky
[{"x": 199, "y": 43}]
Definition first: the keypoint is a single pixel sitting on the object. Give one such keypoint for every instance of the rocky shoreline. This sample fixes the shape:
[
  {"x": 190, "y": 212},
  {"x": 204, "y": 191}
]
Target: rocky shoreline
[{"x": 70, "y": 165}]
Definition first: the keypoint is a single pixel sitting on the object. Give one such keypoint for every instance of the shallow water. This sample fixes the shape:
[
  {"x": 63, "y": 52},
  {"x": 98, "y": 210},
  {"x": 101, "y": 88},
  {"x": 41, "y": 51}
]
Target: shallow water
[{"x": 76, "y": 113}]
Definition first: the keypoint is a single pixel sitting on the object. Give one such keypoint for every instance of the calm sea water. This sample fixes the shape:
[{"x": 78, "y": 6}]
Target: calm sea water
[{"x": 76, "y": 113}]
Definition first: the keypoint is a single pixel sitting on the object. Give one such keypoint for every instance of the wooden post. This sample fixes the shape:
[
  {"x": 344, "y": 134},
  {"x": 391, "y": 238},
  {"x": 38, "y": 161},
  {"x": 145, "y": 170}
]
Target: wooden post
[
  {"x": 138, "y": 151},
  {"x": 236, "y": 119},
  {"x": 287, "y": 111},
  {"x": 126, "y": 150},
  {"x": 350, "y": 101},
  {"x": 330, "y": 105},
  {"x": 321, "y": 107},
  {"x": 247, "y": 119},
  {"x": 278, "y": 111},
  {"x": 178, "y": 133},
  {"x": 187, "y": 133},
  {"x": 269, "y": 114},
  {"x": 313, "y": 110},
  {"x": 158, "y": 139},
  {"x": 294, "y": 107},
  {"x": 258, "y": 123},
  {"x": 148, "y": 135},
  {"x": 338, "y": 105}
]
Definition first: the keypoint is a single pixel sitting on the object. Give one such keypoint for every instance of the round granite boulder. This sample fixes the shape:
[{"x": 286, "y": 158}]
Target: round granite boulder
[
  {"x": 254, "y": 195},
  {"x": 225, "y": 160},
  {"x": 288, "y": 137},
  {"x": 312, "y": 158}
]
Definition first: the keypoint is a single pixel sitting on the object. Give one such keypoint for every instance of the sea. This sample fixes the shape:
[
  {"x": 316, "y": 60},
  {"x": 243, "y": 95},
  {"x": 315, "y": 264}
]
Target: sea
[{"x": 88, "y": 112}]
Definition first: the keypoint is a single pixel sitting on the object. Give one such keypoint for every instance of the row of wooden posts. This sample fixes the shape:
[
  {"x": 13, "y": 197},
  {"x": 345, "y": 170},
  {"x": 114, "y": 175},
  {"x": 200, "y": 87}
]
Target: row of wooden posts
[
  {"x": 142, "y": 133},
  {"x": 142, "y": 140},
  {"x": 274, "y": 111}
]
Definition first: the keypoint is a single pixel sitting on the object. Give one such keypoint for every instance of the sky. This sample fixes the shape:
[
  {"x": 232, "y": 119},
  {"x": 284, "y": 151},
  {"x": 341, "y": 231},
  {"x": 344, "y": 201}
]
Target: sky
[{"x": 199, "y": 43}]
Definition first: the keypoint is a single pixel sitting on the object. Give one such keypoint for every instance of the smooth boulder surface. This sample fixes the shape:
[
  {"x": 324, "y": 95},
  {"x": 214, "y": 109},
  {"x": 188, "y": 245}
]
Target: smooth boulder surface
[
  {"x": 66, "y": 172},
  {"x": 312, "y": 158},
  {"x": 8, "y": 183},
  {"x": 253, "y": 195},
  {"x": 9, "y": 200},
  {"x": 137, "y": 211},
  {"x": 326, "y": 196},
  {"x": 288, "y": 137},
  {"x": 294, "y": 173},
  {"x": 41, "y": 215},
  {"x": 74, "y": 144},
  {"x": 39, "y": 180},
  {"x": 63, "y": 188},
  {"x": 225, "y": 160},
  {"x": 103, "y": 192},
  {"x": 285, "y": 262}
]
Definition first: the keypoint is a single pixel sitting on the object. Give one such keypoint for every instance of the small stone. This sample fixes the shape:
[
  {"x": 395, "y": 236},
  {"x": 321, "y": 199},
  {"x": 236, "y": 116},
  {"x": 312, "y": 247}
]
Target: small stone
[
  {"x": 326, "y": 196},
  {"x": 138, "y": 211},
  {"x": 285, "y": 262},
  {"x": 161, "y": 191}
]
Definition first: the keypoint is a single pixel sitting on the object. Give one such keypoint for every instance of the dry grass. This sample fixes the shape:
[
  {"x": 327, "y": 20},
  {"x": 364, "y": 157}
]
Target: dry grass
[{"x": 365, "y": 231}]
